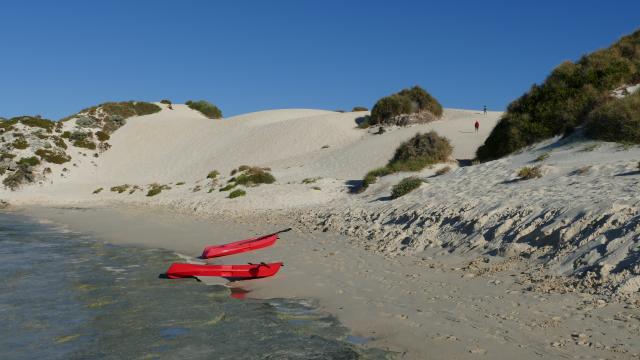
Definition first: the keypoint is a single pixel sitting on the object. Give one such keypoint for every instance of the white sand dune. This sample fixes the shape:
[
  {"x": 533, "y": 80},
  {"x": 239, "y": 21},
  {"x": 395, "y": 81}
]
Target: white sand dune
[{"x": 182, "y": 145}]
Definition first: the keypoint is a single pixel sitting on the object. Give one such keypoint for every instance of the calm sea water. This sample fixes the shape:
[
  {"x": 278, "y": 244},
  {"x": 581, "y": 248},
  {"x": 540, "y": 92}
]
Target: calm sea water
[{"x": 65, "y": 295}]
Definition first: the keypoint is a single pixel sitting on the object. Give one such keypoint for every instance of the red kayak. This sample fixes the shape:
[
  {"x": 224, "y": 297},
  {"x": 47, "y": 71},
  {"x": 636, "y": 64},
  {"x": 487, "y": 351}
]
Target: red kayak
[
  {"x": 236, "y": 272},
  {"x": 241, "y": 246}
]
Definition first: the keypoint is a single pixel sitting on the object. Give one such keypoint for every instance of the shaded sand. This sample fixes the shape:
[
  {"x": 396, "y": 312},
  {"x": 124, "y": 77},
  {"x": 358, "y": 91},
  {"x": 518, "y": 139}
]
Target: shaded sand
[{"x": 429, "y": 306}]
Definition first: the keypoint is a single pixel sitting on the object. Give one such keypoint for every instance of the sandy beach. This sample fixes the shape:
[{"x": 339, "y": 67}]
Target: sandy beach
[
  {"x": 430, "y": 306},
  {"x": 459, "y": 268}
]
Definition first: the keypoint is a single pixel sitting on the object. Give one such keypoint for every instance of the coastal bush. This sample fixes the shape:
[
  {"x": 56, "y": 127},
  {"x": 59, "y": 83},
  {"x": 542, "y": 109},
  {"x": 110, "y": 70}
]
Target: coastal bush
[
  {"x": 421, "y": 151},
  {"x": 5, "y": 156},
  {"x": 415, "y": 154},
  {"x": 165, "y": 101},
  {"x": 213, "y": 174},
  {"x": 98, "y": 190},
  {"x": 405, "y": 186},
  {"x": 236, "y": 193},
  {"x": 407, "y": 101},
  {"x": 20, "y": 143},
  {"x": 155, "y": 189},
  {"x": 86, "y": 121},
  {"x": 527, "y": 173},
  {"x": 102, "y": 136},
  {"x": 53, "y": 156},
  {"x": 617, "y": 120},
  {"x": 21, "y": 175},
  {"x": 85, "y": 143},
  {"x": 206, "y": 108},
  {"x": 359, "y": 108},
  {"x": 36, "y": 121},
  {"x": 120, "y": 188},
  {"x": 30, "y": 161},
  {"x": 145, "y": 108},
  {"x": 254, "y": 176},
  {"x": 66, "y": 135},
  {"x": 565, "y": 100}
]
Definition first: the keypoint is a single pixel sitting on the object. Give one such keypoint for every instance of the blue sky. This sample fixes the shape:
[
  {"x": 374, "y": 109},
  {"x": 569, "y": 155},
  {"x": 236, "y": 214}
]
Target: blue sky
[{"x": 58, "y": 57}]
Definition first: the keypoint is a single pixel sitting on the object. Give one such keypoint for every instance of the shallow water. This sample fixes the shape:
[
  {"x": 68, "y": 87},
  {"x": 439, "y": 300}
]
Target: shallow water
[{"x": 65, "y": 295}]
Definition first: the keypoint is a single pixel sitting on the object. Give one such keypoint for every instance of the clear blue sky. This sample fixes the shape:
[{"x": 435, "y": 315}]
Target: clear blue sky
[{"x": 60, "y": 56}]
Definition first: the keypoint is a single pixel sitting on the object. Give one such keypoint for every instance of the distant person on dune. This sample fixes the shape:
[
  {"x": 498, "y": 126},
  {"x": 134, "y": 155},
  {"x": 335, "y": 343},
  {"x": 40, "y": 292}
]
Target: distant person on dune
[
  {"x": 485, "y": 110},
  {"x": 477, "y": 125}
]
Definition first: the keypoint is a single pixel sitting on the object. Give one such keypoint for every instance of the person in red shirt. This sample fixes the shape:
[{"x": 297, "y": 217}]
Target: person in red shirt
[{"x": 477, "y": 125}]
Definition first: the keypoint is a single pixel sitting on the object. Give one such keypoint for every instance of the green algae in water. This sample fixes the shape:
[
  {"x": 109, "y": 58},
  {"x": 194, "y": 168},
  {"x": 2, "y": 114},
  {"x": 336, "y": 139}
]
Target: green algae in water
[{"x": 67, "y": 296}]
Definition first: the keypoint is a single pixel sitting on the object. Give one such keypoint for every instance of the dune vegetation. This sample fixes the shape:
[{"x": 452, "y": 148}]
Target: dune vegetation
[
  {"x": 390, "y": 109},
  {"x": 405, "y": 186},
  {"x": 205, "y": 108},
  {"x": 415, "y": 154},
  {"x": 567, "y": 99}
]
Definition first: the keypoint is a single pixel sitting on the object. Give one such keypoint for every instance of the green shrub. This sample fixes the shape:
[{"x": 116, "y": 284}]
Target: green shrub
[
  {"x": 180, "y": 183},
  {"x": 565, "y": 100},
  {"x": 388, "y": 107},
  {"x": 527, "y": 173},
  {"x": 359, "y": 108},
  {"x": 30, "y": 161},
  {"x": 206, "y": 108},
  {"x": 120, "y": 188},
  {"x": 213, "y": 174},
  {"x": 85, "y": 143},
  {"x": 407, "y": 101},
  {"x": 228, "y": 187},
  {"x": 98, "y": 190},
  {"x": 254, "y": 176},
  {"x": 58, "y": 142},
  {"x": 415, "y": 154},
  {"x": 66, "y": 135},
  {"x": 372, "y": 176},
  {"x": 20, "y": 143},
  {"x": 155, "y": 189},
  {"x": 4, "y": 156},
  {"x": 405, "y": 186},
  {"x": 35, "y": 121},
  {"x": 21, "y": 175},
  {"x": 421, "y": 151},
  {"x": 618, "y": 120},
  {"x": 145, "y": 108},
  {"x": 102, "y": 136},
  {"x": 236, "y": 193},
  {"x": 165, "y": 101},
  {"x": 86, "y": 121},
  {"x": 53, "y": 156}
]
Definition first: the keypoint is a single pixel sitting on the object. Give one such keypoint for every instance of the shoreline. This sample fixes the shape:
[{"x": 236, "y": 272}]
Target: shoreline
[{"x": 417, "y": 306}]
